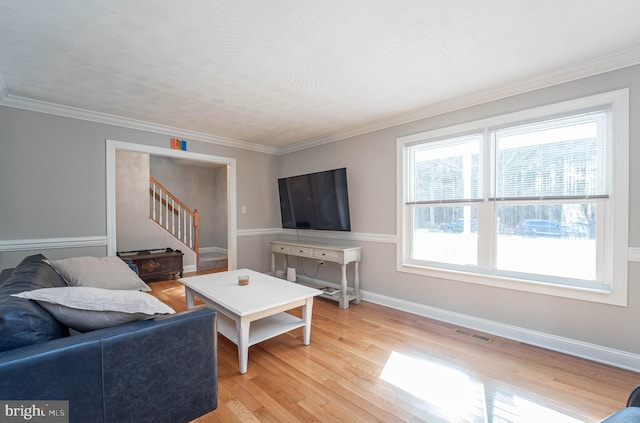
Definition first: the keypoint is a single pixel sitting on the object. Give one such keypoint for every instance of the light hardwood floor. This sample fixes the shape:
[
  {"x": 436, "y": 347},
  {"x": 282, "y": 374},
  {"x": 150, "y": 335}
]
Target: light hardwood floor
[{"x": 371, "y": 363}]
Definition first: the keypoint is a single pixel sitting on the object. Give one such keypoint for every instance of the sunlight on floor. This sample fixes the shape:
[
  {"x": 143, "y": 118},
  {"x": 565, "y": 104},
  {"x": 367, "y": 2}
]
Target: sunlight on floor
[{"x": 456, "y": 395}]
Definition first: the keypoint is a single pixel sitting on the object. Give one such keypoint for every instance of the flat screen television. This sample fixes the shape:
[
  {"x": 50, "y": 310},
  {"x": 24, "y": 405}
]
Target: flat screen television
[{"x": 316, "y": 201}]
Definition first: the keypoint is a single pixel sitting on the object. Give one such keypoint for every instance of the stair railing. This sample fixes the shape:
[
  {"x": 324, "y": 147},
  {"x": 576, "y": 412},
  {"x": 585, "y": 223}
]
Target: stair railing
[{"x": 173, "y": 215}]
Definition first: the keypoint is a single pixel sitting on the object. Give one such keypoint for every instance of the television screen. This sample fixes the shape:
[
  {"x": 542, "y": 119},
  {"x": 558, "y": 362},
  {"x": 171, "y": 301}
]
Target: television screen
[{"x": 315, "y": 201}]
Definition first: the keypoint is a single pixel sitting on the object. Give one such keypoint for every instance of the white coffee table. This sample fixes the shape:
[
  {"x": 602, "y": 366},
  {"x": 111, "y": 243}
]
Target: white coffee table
[{"x": 255, "y": 312}]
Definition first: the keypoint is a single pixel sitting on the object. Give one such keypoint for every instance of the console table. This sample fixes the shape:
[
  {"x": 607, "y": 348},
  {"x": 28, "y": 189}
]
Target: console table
[{"x": 325, "y": 252}]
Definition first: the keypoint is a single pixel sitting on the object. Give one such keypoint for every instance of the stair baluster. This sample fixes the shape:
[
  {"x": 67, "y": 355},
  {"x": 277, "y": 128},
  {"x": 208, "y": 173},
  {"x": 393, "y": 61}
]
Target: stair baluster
[{"x": 168, "y": 212}]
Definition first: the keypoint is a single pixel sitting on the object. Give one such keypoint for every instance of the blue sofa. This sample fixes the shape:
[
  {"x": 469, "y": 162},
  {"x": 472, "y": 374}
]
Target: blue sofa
[
  {"x": 629, "y": 414},
  {"x": 158, "y": 370}
]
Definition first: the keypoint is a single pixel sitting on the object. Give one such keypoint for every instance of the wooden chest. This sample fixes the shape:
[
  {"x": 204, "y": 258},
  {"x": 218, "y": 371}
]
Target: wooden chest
[{"x": 156, "y": 264}]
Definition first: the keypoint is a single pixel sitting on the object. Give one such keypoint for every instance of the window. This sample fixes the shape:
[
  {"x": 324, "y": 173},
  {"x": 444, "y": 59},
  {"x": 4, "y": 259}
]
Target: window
[{"x": 529, "y": 201}]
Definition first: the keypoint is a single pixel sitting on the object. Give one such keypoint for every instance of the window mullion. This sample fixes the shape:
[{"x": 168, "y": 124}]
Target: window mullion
[{"x": 486, "y": 210}]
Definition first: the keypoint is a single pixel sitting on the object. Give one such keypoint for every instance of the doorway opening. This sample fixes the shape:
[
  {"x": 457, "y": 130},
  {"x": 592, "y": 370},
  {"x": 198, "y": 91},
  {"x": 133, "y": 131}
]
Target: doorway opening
[{"x": 196, "y": 159}]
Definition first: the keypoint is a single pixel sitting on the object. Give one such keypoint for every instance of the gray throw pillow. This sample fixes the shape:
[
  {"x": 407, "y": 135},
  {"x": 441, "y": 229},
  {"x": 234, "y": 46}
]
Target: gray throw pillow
[
  {"x": 99, "y": 272},
  {"x": 86, "y": 308}
]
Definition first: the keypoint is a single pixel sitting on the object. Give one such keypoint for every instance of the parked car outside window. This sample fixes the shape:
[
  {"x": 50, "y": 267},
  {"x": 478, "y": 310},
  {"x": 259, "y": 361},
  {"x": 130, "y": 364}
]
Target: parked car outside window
[
  {"x": 539, "y": 227},
  {"x": 458, "y": 226}
]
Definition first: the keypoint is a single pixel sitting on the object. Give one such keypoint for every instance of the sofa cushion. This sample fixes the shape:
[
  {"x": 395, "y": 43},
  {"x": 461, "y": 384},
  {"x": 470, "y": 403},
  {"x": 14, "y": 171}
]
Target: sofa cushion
[
  {"x": 85, "y": 308},
  {"x": 99, "y": 272},
  {"x": 24, "y": 322},
  {"x": 4, "y": 275}
]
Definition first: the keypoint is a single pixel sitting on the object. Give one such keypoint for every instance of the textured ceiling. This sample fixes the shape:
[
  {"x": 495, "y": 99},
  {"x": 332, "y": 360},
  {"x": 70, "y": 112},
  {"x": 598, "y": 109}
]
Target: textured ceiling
[{"x": 281, "y": 72}]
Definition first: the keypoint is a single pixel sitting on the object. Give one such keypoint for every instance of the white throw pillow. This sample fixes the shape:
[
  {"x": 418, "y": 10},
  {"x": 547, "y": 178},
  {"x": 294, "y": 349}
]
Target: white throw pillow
[
  {"x": 99, "y": 272},
  {"x": 86, "y": 308}
]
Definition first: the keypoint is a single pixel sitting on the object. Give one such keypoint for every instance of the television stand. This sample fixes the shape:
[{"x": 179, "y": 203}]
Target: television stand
[{"x": 325, "y": 252}]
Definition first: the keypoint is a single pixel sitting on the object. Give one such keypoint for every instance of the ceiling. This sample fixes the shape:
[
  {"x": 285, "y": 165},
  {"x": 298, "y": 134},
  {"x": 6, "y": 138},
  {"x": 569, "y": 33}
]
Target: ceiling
[{"x": 280, "y": 73}]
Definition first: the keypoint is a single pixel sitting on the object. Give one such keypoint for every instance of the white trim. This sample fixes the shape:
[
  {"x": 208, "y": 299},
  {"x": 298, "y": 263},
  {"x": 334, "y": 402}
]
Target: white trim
[
  {"x": 217, "y": 250},
  {"x": 189, "y": 268},
  {"x": 594, "y": 352},
  {"x": 3, "y": 90},
  {"x": 608, "y": 63},
  {"x": 332, "y": 235},
  {"x": 113, "y": 145},
  {"x": 259, "y": 232},
  {"x": 618, "y": 213},
  {"x": 51, "y": 243},
  {"x": 634, "y": 254}
]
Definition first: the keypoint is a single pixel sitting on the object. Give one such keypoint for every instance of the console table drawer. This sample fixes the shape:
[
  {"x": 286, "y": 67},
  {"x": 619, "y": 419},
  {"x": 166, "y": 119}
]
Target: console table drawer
[
  {"x": 302, "y": 251},
  {"x": 284, "y": 249},
  {"x": 329, "y": 255}
]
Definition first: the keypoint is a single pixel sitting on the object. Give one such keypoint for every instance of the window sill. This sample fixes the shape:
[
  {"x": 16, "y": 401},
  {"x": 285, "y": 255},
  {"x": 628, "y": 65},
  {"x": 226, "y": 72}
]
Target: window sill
[{"x": 603, "y": 296}]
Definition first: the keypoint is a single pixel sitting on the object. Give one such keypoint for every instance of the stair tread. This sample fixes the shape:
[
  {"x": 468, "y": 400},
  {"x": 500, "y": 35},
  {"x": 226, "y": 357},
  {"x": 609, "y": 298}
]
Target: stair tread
[{"x": 212, "y": 260}]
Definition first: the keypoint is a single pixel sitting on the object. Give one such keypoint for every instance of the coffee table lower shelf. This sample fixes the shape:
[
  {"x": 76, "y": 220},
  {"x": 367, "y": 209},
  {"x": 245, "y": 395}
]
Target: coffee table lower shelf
[{"x": 260, "y": 330}]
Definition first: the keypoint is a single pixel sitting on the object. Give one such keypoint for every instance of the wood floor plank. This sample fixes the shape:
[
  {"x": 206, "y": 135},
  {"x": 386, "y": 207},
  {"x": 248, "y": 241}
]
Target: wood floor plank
[{"x": 371, "y": 363}]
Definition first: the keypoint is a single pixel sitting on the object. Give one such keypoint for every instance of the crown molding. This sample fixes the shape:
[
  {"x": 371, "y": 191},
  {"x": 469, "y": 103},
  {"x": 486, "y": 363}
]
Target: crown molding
[
  {"x": 104, "y": 118},
  {"x": 608, "y": 63}
]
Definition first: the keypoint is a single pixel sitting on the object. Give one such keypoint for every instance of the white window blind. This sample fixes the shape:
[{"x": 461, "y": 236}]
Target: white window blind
[
  {"x": 447, "y": 171},
  {"x": 554, "y": 159}
]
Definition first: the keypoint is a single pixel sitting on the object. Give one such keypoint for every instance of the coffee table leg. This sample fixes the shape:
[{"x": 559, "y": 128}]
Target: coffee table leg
[
  {"x": 242, "y": 329},
  {"x": 189, "y": 296},
  {"x": 307, "y": 308}
]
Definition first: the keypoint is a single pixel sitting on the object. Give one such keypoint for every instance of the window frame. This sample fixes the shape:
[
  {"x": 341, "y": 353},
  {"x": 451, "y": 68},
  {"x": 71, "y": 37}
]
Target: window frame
[{"x": 616, "y": 220}]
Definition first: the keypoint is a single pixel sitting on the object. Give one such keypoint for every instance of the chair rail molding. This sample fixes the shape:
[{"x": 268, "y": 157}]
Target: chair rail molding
[
  {"x": 634, "y": 253},
  {"x": 52, "y": 243}
]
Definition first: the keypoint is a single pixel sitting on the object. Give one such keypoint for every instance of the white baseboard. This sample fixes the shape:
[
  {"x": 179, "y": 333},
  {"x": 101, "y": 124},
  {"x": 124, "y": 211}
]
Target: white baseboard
[
  {"x": 598, "y": 353},
  {"x": 189, "y": 268},
  {"x": 218, "y": 250}
]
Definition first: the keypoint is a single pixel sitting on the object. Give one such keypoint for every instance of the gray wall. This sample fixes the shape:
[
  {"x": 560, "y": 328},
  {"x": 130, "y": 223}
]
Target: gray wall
[{"x": 52, "y": 184}]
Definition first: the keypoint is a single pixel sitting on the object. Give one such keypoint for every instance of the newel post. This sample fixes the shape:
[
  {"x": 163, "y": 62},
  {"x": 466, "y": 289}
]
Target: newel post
[{"x": 195, "y": 231}]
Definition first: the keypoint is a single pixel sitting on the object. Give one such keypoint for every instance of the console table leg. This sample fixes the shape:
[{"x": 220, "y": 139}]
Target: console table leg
[
  {"x": 356, "y": 284},
  {"x": 273, "y": 264},
  {"x": 242, "y": 330},
  {"x": 344, "y": 302}
]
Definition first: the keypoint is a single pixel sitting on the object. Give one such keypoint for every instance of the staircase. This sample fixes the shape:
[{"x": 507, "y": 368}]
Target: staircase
[
  {"x": 172, "y": 215},
  {"x": 212, "y": 260}
]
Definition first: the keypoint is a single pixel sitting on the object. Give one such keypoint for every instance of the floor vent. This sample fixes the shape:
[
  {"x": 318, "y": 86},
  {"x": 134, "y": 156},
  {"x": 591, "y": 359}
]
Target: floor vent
[{"x": 483, "y": 338}]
